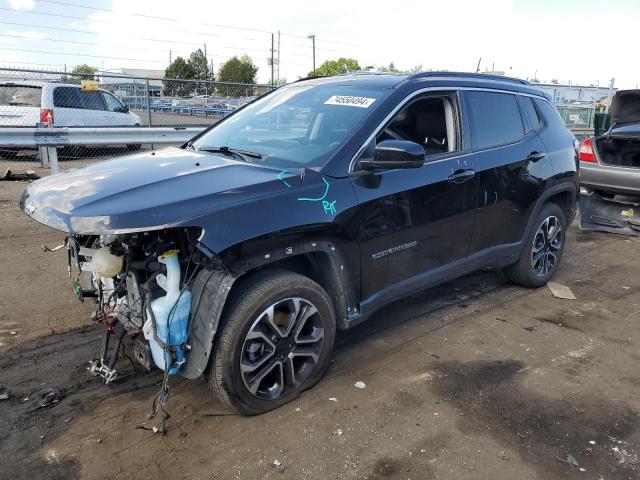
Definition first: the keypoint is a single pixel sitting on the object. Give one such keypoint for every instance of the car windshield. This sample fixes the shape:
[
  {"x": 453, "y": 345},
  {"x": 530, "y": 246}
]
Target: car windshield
[{"x": 295, "y": 126}]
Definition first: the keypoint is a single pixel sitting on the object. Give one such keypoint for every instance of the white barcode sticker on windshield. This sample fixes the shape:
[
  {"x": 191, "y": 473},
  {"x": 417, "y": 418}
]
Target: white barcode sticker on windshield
[{"x": 360, "y": 102}]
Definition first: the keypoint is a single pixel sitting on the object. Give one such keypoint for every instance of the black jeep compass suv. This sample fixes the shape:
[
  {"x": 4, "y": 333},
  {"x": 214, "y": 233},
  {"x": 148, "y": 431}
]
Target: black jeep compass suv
[{"x": 240, "y": 254}]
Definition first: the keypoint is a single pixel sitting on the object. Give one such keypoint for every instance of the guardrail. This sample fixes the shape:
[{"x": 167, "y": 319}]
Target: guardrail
[{"x": 48, "y": 139}]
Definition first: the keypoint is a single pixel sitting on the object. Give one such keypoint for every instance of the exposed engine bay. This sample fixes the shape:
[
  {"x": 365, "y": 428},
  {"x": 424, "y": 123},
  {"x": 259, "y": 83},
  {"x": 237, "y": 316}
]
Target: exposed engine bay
[{"x": 140, "y": 285}]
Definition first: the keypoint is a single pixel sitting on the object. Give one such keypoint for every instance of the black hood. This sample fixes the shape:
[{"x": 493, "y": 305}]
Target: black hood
[{"x": 148, "y": 190}]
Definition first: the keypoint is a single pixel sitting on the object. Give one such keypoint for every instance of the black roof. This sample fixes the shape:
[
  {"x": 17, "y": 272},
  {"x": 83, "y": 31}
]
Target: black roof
[{"x": 441, "y": 79}]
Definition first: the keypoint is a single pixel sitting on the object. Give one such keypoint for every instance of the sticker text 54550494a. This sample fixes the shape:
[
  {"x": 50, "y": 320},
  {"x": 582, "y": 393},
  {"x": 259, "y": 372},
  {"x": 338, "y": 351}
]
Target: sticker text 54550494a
[{"x": 349, "y": 101}]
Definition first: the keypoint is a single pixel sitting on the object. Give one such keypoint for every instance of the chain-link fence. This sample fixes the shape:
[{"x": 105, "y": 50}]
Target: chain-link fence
[{"x": 31, "y": 98}]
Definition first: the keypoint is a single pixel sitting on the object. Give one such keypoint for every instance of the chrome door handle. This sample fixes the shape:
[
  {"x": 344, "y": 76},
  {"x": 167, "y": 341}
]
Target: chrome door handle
[
  {"x": 535, "y": 156},
  {"x": 461, "y": 175}
]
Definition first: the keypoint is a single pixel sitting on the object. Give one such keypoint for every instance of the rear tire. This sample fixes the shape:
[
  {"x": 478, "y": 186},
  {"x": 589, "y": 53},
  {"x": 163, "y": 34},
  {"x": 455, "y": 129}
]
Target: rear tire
[
  {"x": 542, "y": 250},
  {"x": 275, "y": 342}
]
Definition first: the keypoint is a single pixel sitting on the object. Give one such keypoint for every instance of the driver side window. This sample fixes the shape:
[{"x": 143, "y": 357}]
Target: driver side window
[{"x": 428, "y": 121}]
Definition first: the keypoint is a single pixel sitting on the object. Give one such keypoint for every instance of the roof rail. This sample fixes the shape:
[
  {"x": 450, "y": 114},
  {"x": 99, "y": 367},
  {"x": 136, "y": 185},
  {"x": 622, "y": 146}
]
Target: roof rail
[{"x": 489, "y": 76}]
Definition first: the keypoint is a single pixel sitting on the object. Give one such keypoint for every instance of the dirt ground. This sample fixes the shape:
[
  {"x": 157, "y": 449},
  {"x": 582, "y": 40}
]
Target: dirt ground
[{"x": 477, "y": 379}]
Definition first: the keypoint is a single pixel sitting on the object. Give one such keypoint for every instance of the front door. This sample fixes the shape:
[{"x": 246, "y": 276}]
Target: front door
[{"x": 416, "y": 224}]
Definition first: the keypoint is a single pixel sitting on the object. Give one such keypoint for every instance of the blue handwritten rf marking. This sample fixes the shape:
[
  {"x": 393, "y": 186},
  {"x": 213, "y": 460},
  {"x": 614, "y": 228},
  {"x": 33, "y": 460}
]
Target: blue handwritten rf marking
[{"x": 328, "y": 207}]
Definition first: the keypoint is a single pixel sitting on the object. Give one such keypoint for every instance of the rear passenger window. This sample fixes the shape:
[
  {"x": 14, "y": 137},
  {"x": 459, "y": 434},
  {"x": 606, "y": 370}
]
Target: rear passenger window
[
  {"x": 92, "y": 101},
  {"x": 20, "y": 95},
  {"x": 550, "y": 114},
  {"x": 67, "y": 97},
  {"x": 530, "y": 113},
  {"x": 494, "y": 119}
]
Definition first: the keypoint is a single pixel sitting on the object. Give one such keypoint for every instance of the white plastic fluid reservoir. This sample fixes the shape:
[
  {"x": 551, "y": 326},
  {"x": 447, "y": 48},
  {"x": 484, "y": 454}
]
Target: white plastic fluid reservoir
[
  {"x": 104, "y": 263},
  {"x": 171, "y": 313}
]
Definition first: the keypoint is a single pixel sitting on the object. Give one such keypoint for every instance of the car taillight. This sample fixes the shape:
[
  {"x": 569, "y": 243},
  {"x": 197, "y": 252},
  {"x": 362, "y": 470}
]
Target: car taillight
[
  {"x": 586, "y": 151},
  {"x": 46, "y": 117}
]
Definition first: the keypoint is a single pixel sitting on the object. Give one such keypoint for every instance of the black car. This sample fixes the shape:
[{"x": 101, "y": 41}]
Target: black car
[{"x": 240, "y": 254}]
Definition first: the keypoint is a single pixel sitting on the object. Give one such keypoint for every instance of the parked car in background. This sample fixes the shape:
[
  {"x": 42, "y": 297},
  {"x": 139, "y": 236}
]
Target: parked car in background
[
  {"x": 610, "y": 160},
  {"x": 305, "y": 212},
  {"x": 27, "y": 103}
]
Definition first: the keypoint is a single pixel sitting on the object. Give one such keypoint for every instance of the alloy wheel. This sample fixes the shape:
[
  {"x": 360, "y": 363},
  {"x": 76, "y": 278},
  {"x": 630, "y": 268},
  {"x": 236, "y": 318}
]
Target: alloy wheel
[
  {"x": 547, "y": 244},
  {"x": 282, "y": 348}
]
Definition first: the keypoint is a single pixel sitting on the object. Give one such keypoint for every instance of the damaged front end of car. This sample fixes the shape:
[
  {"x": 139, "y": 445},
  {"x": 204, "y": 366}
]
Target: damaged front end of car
[{"x": 140, "y": 283}]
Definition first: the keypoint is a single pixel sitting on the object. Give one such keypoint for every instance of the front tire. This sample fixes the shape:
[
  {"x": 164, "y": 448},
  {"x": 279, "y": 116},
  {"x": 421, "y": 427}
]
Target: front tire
[
  {"x": 542, "y": 251},
  {"x": 275, "y": 342}
]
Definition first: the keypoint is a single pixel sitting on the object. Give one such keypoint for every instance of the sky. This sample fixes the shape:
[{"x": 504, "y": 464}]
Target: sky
[{"x": 577, "y": 41}]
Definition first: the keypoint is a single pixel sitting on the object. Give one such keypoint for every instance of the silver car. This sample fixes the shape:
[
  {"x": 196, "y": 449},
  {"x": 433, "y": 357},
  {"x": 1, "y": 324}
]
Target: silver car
[{"x": 610, "y": 162}]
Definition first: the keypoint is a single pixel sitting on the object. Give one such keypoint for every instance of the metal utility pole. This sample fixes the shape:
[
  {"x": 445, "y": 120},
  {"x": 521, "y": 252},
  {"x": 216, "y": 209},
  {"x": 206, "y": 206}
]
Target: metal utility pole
[
  {"x": 313, "y": 43},
  {"x": 606, "y": 108},
  {"x": 278, "y": 76},
  {"x": 272, "y": 66},
  {"x": 170, "y": 57}
]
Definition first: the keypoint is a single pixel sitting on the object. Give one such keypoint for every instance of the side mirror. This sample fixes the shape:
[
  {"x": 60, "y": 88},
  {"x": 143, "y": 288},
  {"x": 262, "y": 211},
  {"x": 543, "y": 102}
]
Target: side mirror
[
  {"x": 125, "y": 109},
  {"x": 391, "y": 154}
]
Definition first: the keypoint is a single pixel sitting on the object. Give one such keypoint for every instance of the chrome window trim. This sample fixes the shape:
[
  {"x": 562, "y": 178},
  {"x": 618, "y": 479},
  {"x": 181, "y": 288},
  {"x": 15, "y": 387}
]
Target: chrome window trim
[{"x": 410, "y": 97}]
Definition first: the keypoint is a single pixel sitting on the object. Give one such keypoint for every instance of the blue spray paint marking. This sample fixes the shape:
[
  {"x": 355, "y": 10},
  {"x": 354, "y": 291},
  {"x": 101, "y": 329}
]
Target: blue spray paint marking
[
  {"x": 328, "y": 207},
  {"x": 326, "y": 190},
  {"x": 284, "y": 172}
]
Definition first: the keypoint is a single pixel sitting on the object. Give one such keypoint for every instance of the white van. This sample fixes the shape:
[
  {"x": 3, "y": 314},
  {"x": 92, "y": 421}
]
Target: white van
[{"x": 26, "y": 103}]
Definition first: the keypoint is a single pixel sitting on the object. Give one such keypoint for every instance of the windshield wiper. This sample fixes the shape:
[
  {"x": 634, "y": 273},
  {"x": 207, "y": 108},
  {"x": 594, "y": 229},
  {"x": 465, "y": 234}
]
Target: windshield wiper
[{"x": 244, "y": 154}]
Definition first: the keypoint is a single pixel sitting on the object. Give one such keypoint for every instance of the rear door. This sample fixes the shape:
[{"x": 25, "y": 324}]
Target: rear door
[
  {"x": 512, "y": 169},
  {"x": 95, "y": 110},
  {"x": 19, "y": 105},
  {"x": 416, "y": 224},
  {"x": 68, "y": 110}
]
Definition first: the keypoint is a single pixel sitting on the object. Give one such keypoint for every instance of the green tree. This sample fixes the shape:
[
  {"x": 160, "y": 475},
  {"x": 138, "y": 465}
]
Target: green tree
[
  {"x": 237, "y": 70},
  {"x": 200, "y": 65},
  {"x": 393, "y": 69},
  {"x": 390, "y": 69},
  {"x": 336, "y": 67},
  {"x": 179, "y": 69},
  {"x": 83, "y": 72},
  {"x": 201, "y": 71}
]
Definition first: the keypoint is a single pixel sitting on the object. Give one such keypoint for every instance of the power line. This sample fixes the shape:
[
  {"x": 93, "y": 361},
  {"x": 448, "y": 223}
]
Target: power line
[
  {"x": 149, "y": 39},
  {"x": 156, "y": 17},
  {"x": 153, "y": 17},
  {"x": 33, "y": 63},
  {"x": 48, "y": 39},
  {"x": 48, "y": 52},
  {"x": 82, "y": 19},
  {"x": 95, "y": 33},
  {"x": 105, "y": 57}
]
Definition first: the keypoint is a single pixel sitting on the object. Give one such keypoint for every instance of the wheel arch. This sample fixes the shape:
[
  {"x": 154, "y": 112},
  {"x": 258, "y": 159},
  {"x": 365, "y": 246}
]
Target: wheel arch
[
  {"x": 565, "y": 195},
  {"x": 323, "y": 261}
]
